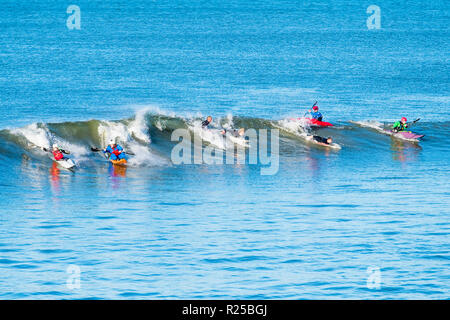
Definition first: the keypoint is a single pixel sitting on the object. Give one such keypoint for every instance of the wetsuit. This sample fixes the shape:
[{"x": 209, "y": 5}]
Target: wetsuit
[
  {"x": 399, "y": 126},
  {"x": 320, "y": 139},
  {"x": 316, "y": 115},
  {"x": 205, "y": 123}
]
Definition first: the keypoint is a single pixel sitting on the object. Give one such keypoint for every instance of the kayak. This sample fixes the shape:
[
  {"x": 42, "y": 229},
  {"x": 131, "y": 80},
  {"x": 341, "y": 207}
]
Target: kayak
[
  {"x": 315, "y": 122},
  {"x": 121, "y": 162},
  {"x": 66, "y": 163},
  {"x": 405, "y": 135}
]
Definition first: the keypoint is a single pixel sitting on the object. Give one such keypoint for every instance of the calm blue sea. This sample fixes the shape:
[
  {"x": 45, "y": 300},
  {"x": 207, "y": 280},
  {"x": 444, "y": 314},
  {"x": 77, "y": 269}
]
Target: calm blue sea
[{"x": 367, "y": 221}]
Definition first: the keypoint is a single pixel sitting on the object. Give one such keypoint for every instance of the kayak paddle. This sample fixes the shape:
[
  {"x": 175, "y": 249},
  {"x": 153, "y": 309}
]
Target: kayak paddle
[
  {"x": 93, "y": 149},
  {"x": 63, "y": 151},
  {"x": 311, "y": 108},
  {"x": 413, "y": 122}
]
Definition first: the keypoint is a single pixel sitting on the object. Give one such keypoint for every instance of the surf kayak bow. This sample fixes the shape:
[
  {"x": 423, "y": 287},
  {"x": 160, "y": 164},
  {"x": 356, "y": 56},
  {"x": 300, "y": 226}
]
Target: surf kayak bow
[
  {"x": 314, "y": 122},
  {"x": 121, "y": 162},
  {"x": 66, "y": 163},
  {"x": 405, "y": 135}
]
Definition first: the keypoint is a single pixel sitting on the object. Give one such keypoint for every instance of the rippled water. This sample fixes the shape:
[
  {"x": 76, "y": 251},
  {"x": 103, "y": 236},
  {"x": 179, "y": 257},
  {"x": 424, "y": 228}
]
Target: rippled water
[{"x": 159, "y": 230}]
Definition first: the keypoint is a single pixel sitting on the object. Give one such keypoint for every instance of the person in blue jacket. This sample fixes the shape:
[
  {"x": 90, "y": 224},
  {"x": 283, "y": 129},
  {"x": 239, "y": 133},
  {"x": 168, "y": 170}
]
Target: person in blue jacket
[
  {"x": 116, "y": 151},
  {"x": 315, "y": 114}
]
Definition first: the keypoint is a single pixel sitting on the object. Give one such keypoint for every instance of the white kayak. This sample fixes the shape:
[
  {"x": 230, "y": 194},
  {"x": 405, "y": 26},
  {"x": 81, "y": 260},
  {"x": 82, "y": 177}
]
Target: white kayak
[{"x": 66, "y": 163}]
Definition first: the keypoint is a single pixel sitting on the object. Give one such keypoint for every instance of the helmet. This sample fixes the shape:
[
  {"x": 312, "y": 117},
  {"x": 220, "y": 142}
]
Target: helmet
[
  {"x": 55, "y": 146},
  {"x": 111, "y": 142},
  {"x": 315, "y": 108},
  {"x": 404, "y": 119}
]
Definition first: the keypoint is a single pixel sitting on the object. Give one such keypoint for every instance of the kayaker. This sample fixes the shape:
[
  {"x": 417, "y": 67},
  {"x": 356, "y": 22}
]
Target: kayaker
[
  {"x": 315, "y": 114},
  {"x": 206, "y": 122},
  {"x": 400, "y": 125},
  {"x": 57, "y": 152},
  {"x": 322, "y": 140},
  {"x": 116, "y": 151}
]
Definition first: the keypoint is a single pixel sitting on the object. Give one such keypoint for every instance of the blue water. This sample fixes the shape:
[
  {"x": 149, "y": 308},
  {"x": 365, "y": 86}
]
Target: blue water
[{"x": 155, "y": 230}]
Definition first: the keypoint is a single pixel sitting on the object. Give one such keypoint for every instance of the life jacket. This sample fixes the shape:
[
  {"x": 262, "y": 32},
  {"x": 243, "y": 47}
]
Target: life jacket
[
  {"x": 316, "y": 115},
  {"x": 115, "y": 151},
  {"x": 58, "y": 154}
]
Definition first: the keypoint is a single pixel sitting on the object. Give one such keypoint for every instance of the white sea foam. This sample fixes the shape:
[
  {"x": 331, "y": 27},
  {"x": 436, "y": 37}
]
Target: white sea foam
[
  {"x": 138, "y": 127},
  {"x": 134, "y": 137},
  {"x": 293, "y": 125},
  {"x": 373, "y": 124},
  {"x": 143, "y": 156},
  {"x": 36, "y": 135},
  {"x": 214, "y": 135}
]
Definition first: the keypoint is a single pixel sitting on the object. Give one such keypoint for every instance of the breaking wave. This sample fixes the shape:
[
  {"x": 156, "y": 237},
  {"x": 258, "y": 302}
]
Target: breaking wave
[{"x": 147, "y": 135}]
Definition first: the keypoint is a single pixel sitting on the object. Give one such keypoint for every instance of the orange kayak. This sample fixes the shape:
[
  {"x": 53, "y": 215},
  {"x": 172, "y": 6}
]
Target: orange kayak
[{"x": 120, "y": 162}]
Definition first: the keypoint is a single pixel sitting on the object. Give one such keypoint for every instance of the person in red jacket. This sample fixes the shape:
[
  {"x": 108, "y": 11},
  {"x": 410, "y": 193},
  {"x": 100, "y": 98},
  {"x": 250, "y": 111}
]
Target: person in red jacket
[{"x": 57, "y": 152}]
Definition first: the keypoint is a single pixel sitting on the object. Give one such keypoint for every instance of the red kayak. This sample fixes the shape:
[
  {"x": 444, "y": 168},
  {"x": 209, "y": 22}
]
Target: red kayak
[{"x": 315, "y": 122}]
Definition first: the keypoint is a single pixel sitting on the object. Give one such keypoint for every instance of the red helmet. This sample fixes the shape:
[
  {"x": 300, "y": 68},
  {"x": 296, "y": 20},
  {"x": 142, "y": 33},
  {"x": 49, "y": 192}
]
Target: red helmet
[
  {"x": 404, "y": 119},
  {"x": 315, "y": 108}
]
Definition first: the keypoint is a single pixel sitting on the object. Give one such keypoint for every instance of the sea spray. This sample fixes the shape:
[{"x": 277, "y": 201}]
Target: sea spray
[
  {"x": 138, "y": 127},
  {"x": 184, "y": 153},
  {"x": 37, "y": 135}
]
